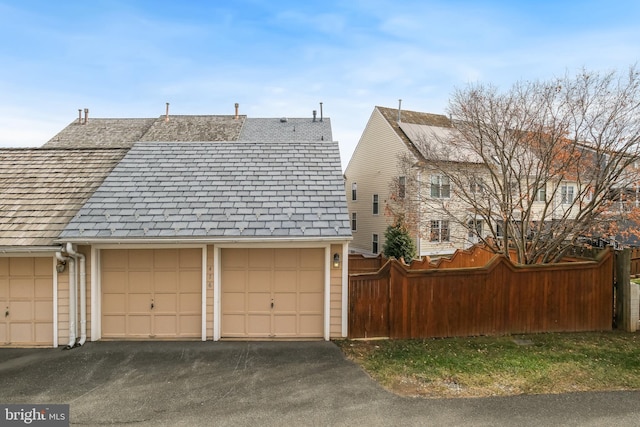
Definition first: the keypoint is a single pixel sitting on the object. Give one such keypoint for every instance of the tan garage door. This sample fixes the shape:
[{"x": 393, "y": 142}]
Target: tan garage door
[
  {"x": 151, "y": 293},
  {"x": 26, "y": 300},
  {"x": 272, "y": 293}
]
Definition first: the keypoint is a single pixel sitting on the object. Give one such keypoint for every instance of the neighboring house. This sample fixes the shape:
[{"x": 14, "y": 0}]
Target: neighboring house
[
  {"x": 40, "y": 191},
  {"x": 190, "y": 239},
  {"x": 373, "y": 168}
]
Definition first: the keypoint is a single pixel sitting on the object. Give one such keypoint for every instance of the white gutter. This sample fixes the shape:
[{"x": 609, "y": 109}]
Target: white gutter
[
  {"x": 210, "y": 241},
  {"x": 8, "y": 250},
  {"x": 83, "y": 295}
]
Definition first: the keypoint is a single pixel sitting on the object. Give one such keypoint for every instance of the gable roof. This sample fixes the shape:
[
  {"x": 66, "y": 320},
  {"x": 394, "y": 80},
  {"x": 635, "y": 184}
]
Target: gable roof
[
  {"x": 222, "y": 190},
  {"x": 41, "y": 190},
  {"x": 412, "y": 118},
  {"x": 194, "y": 128},
  {"x": 286, "y": 129}
]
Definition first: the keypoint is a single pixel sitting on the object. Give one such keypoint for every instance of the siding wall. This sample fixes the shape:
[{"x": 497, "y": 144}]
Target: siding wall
[
  {"x": 373, "y": 166},
  {"x": 335, "y": 330}
]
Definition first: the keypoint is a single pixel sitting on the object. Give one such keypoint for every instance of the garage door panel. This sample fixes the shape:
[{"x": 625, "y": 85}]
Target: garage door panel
[
  {"x": 189, "y": 303},
  {"x": 21, "y": 266},
  {"x": 311, "y": 281},
  {"x": 4, "y": 267},
  {"x": 191, "y": 281},
  {"x": 285, "y": 302},
  {"x": 286, "y": 281},
  {"x": 43, "y": 288},
  {"x": 114, "y": 281},
  {"x": 187, "y": 324},
  {"x": 233, "y": 302},
  {"x": 165, "y": 281},
  {"x": 112, "y": 325},
  {"x": 286, "y": 258},
  {"x": 166, "y": 259},
  {"x": 21, "y": 288},
  {"x": 43, "y": 266},
  {"x": 114, "y": 303},
  {"x": 21, "y": 332},
  {"x": 43, "y": 311},
  {"x": 234, "y": 259},
  {"x": 164, "y": 303},
  {"x": 44, "y": 333},
  {"x": 312, "y": 258},
  {"x": 141, "y": 259},
  {"x": 140, "y": 281},
  {"x": 285, "y": 325},
  {"x": 139, "y": 325},
  {"x": 191, "y": 258},
  {"x": 165, "y": 326},
  {"x": 139, "y": 303},
  {"x": 259, "y": 324},
  {"x": 234, "y": 281},
  {"x": 114, "y": 260},
  {"x": 21, "y": 311},
  {"x": 234, "y": 325},
  {"x": 311, "y": 302},
  {"x": 4, "y": 338},
  {"x": 310, "y": 325},
  {"x": 259, "y": 281},
  {"x": 259, "y": 302},
  {"x": 260, "y": 258},
  {"x": 153, "y": 288}
]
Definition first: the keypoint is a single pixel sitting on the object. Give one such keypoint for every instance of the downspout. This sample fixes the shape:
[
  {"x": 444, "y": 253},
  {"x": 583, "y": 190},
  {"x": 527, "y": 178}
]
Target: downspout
[
  {"x": 73, "y": 300},
  {"x": 83, "y": 293}
]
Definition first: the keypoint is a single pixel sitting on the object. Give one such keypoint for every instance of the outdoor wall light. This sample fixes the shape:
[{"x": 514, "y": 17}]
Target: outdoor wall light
[
  {"x": 336, "y": 260},
  {"x": 60, "y": 266}
]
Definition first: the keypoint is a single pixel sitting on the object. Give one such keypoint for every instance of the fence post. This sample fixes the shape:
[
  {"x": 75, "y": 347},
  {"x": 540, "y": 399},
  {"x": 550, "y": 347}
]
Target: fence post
[{"x": 623, "y": 292}]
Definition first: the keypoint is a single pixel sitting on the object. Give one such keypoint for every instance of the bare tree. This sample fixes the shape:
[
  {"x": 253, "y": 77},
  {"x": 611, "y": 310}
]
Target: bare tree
[{"x": 541, "y": 164}]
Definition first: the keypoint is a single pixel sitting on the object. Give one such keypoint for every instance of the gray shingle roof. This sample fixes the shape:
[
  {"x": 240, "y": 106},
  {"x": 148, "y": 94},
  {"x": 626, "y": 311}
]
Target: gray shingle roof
[
  {"x": 288, "y": 129},
  {"x": 238, "y": 190},
  {"x": 98, "y": 132},
  {"x": 101, "y": 133},
  {"x": 41, "y": 190}
]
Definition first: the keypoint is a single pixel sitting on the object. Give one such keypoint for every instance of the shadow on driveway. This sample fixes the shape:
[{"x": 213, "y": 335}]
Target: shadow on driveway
[{"x": 261, "y": 383}]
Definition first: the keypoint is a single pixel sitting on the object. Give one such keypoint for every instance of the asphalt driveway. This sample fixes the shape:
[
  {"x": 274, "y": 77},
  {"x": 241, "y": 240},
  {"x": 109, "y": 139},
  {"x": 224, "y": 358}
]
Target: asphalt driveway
[{"x": 262, "y": 383}]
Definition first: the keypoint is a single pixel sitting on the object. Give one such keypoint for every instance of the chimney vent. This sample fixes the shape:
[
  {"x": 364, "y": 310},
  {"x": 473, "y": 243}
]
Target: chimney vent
[
  {"x": 399, "y": 110},
  {"x": 166, "y": 115},
  {"x": 321, "y": 111},
  {"x": 79, "y": 116},
  {"x": 314, "y": 115},
  {"x": 86, "y": 115},
  {"x": 237, "y": 107}
]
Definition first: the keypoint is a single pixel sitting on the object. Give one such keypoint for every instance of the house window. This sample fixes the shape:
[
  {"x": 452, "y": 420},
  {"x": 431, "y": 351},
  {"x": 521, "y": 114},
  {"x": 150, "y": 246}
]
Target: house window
[
  {"x": 374, "y": 244},
  {"x": 500, "y": 229},
  {"x": 440, "y": 187},
  {"x": 439, "y": 231},
  {"x": 566, "y": 194},
  {"x": 476, "y": 185},
  {"x": 402, "y": 187},
  {"x": 375, "y": 204},
  {"x": 354, "y": 191},
  {"x": 541, "y": 195},
  {"x": 354, "y": 221},
  {"x": 475, "y": 229}
]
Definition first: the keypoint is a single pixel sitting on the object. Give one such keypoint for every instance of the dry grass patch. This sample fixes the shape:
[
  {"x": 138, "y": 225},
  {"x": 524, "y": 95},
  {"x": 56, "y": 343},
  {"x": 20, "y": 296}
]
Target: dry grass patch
[{"x": 499, "y": 366}]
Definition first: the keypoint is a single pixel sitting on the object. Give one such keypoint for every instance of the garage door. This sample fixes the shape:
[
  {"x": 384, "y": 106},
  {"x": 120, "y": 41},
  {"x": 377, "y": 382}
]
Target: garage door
[
  {"x": 151, "y": 293},
  {"x": 26, "y": 300},
  {"x": 272, "y": 293}
]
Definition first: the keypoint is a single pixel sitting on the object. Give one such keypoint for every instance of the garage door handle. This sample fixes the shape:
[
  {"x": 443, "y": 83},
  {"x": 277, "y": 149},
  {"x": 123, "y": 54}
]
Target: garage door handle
[
  {"x": 271, "y": 304},
  {"x": 152, "y": 306},
  {"x": 6, "y": 313}
]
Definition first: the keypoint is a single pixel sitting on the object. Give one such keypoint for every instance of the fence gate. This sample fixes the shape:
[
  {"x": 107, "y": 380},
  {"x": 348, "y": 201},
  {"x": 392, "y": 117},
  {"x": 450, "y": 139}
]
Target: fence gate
[{"x": 369, "y": 306}]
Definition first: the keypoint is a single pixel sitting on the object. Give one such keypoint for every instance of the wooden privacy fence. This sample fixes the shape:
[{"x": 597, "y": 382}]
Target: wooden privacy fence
[
  {"x": 635, "y": 262},
  {"x": 497, "y": 298}
]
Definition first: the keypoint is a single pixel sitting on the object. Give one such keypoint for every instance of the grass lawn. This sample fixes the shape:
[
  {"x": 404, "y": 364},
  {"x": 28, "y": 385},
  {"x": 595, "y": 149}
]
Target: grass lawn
[{"x": 498, "y": 366}]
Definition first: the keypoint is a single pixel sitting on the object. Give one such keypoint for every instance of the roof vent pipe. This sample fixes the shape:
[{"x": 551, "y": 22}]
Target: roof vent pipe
[
  {"x": 321, "y": 111},
  {"x": 79, "y": 116},
  {"x": 237, "y": 107},
  {"x": 166, "y": 115},
  {"x": 86, "y": 115},
  {"x": 399, "y": 110},
  {"x": 314, "y": 115}
]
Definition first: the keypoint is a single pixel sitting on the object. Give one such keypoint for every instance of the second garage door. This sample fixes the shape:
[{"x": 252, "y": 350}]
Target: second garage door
[
  {"x": 151, "y": 293},
  {"x": 272, "y": 293}
]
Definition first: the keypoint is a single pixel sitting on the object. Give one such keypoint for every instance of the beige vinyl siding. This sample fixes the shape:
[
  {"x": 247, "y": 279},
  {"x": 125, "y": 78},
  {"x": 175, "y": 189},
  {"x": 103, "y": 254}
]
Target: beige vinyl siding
[
  {"x": 373, "y": 167},
  {"x": 335, "y": 329}
]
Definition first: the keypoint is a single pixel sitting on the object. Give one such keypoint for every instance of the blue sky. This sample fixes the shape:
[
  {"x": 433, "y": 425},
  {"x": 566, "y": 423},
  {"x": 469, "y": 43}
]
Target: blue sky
[{"x": 281, "y": 58}]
